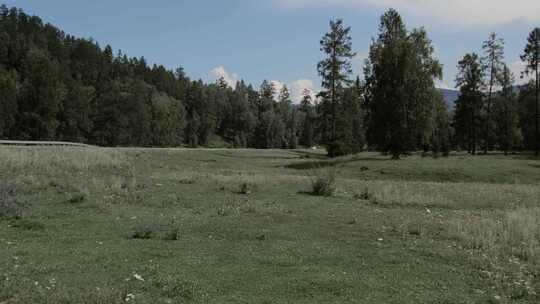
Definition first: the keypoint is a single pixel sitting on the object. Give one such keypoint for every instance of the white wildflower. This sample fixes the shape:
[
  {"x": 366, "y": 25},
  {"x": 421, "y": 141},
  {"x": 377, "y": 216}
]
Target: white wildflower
[
  {"x": 138, "y": 277},
  {"x": 130, "y": 297}
]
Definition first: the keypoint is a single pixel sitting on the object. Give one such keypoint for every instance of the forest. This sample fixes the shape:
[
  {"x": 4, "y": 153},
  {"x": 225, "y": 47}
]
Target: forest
[{"x": 55, "y": 86}]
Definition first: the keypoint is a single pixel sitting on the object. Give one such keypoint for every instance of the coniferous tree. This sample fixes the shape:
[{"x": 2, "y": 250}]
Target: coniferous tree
[
  {"x": 493, "y": 66},
  {"x": 531, "y": 56},
  {"x": 307, "y": 134},
  {"x": 42, "y": 95},
  {"x": 288, "y": 115},
  {"x": 469, "y": 104},
  {"x": 440, "y": 138},
  {"x": 8, "y": 103},
  {"x": 506, "y": 114},
  {"x": 78, "y": 108},
  {"x": 334, "y": 70}
]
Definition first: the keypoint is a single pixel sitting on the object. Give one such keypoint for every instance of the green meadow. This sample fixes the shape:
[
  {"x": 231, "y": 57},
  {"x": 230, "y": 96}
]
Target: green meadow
[{"x": 96, "y": 225}]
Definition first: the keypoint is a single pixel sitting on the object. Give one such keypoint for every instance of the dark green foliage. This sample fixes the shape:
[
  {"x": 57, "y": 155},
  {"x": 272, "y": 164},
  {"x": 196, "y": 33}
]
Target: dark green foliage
[
  {"x": 440, "y": 138},
  {"x": 399, "y": 88},
  {"x": 469, "y": 105},
  {"x": 506, "y": 115},
  {"x": 58, "y": 87},
  {"x": 338, "y": 109},
  {"x": 8, "y": 102},
  {"x": 307, "y": 120},
  {"x": 55, "y": 86},
  {"x": 531, "y": 57},
  {"x": 493, "y": 68}
]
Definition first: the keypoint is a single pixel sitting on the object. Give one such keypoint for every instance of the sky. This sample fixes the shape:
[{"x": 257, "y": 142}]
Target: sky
[{"x": 278, "y": 40}]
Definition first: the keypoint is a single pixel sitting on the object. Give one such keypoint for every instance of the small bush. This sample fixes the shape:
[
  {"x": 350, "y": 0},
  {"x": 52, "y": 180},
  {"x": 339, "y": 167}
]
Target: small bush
[
  {"x": 77, "y": 198},
  {"x": 28, "y": 225},
  {"x": 323, "y": 182},
  {"x": 235, "y": 207},
  {"x": 10, "y": 206},
  {"x": 247, "y": 188},
  {"x": 171, "y": 232},
  {"x": 143, "y": 231},
  {"x": 339, "y": 148},
  {"x": 147, "y": 230},
  {"x": 187, "y": 181},
  {"x": 365, "y": 195}
]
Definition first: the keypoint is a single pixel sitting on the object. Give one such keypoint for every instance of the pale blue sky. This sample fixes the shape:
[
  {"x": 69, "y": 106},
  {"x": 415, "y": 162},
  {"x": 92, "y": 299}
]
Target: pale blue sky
[{"x": 278, "y": 39}]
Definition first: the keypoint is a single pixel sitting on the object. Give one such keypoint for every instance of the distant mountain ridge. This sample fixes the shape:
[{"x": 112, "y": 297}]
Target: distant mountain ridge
[{"x": 450, "y": 97}]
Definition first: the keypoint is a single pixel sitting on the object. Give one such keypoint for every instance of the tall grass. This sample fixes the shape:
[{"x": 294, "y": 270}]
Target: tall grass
[
  {"x": 514, "y": 234},
  {"x": 18, "y": 160},
  {"x": 448, "y": 195}
]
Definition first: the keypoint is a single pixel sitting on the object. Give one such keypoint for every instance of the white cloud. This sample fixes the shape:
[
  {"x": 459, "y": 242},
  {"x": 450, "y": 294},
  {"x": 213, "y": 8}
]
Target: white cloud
[
  {"x": 443, "y": 85},
  {"x": 278, "y": 85},
  {"x": 456, "y": 12},
  {"x": 517, "y": 68},
  {"x": 296, "y": 88},
  {"x": 230, "y": 79}
]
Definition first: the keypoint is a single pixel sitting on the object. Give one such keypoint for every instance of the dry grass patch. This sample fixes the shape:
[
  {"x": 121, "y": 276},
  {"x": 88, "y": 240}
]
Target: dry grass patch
[
  {"x": 59, "y": 159},
  {"x": 445, "y": 195},
  {"x": 516, "y": 233}
]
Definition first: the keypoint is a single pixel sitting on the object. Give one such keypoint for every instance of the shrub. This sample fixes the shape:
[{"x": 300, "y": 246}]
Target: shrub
[
  {"x": 77, "y": 198},
  {"x": 247, "y": 187},
  {"x": 171, "y": 232},
  {"x": 147, "y": 230},
  {"x": 323, "y": 182},
  {"x": 365, "y": 195},
  {"x": 28, "y": 225},
  {"x": 339, "y": 148},
  {"x": 187, "y": 181},
  {"x": 10, "y": 207},
  {"x": 143, "y": 231}
]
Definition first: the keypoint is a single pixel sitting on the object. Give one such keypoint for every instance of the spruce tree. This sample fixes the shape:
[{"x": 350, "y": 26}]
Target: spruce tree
[
  {"x": 506, "y": 113},
  {"x": 469, "y": 104},
  {"x": 492, "y": 64},
  {"x": 334, "y": 70},
  {"x": 531, "y": 57},
  {"x": 8, "y": 103},
  {"x": 307, "y": 136}
]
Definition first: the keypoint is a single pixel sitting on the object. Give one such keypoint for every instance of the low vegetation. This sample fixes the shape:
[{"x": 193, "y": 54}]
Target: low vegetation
[
  {"x": 323, "y": 182},
  {"x": 128, "y": 225}
]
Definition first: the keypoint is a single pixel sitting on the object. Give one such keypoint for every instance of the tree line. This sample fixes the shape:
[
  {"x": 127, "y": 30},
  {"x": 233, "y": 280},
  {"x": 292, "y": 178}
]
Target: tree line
[
  {"x": 492, "y": 112},
  {"x": 55, "y": 86}
]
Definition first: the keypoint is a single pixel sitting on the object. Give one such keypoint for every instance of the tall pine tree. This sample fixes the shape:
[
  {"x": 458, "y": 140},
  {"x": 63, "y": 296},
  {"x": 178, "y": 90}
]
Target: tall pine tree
[
  {"x": 334, "y": 70},
  {"x": 531, "y": 57},
  {"x": 493, "y": 66}
]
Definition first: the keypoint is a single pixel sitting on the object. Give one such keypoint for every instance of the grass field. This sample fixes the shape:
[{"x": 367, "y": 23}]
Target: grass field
[{"x": 89, "y": 225}]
